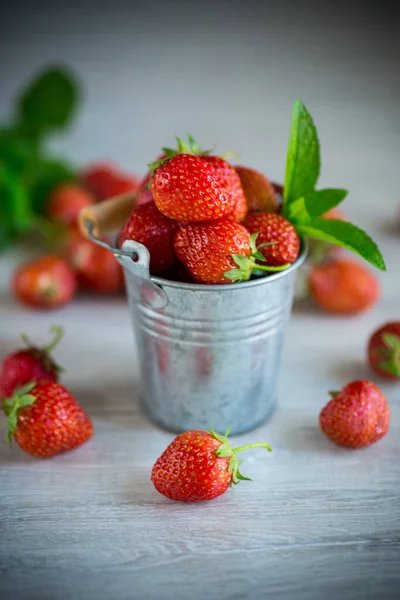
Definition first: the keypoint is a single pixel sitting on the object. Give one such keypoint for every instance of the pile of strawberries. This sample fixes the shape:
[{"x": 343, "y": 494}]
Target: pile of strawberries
[
  {"x": 206, "y": 221},
  {"x": 75, "y": 263}
]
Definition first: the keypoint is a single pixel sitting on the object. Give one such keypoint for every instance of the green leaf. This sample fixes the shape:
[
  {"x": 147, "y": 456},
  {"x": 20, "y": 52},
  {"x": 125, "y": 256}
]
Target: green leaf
[
  {"x": 303, "y": 157},
  {"x": 48, "y": 102},
  {"x": 15, "y": 151},
  {"x": 318, "y": 202},
  {"x": 15, "y": 211},
  {"x": 346, "y": 235}
]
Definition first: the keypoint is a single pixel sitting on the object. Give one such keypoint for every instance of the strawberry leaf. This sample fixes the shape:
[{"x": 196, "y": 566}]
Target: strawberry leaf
[
  {"x": 318, "y": 202},
  {"x": 303, "y": 157},
  {"x": 346, "y": 235}
]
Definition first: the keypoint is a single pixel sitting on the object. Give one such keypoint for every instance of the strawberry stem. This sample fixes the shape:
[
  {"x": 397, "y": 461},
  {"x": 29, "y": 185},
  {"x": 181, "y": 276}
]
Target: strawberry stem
[
  {"x": 390, "y": 354},
  {"x": 11, "y": 406},
  {"x": 58, "y": 332},
  {"x": 258, "y": 445}
]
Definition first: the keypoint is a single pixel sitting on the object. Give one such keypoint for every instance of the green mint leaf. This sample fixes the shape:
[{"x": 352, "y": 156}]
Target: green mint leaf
[
  {"x": 318, "y": 202},
  {"x": 297, "y": 212},
  {"x": 48, "y": 102},
  {"x": 15, "y": 211},
  {"x": 346, "y": 235},
  {"x": 15, "y": 151},
  {"x": 303, "y": 157}
]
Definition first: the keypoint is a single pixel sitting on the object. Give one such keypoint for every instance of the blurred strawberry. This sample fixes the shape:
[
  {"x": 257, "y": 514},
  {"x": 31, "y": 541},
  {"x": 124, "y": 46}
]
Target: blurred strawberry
[
  {"x": 105, "y": 180},
  {"x": 384, "y": 350},
  {"x": 343, "y": 287},
  {"x": 47, "y": 282},
  {"x": 96, "y": 269},
  {"x": 65, "y": 202}
]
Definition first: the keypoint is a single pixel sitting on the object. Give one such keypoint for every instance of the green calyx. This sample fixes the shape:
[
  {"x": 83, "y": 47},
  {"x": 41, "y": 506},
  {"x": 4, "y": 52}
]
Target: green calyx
[
  {"x": 182, "y": 148},
  {"x": 225, "y": 451},
  {"x": 249, "y": 265},
  {"x": 11, "y": 406},
  {"x": 43, "y": 354},
  {"x": 390, "y": 354}
]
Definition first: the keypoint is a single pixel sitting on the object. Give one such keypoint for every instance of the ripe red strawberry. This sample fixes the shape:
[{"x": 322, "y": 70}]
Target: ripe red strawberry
[
  {"x": 277, "y": 238},
  {"x": 151, "y": 228},
  {"x": 384, "y": 350},
  {"x": 29, "y": 364},
  {"x": 219, "y": 252},
  {"x": 232, "y": 183},
  {"x": 96, "y": 269},
  {"x": 66, "y": 201},
  {"x": 343, "y": 287},
  {"x": 105, "y": 180},
  {"x": 46, "y": 420},
  {"x": 198, "y": 466},
  {"x": 188, "y": 188},
  {"x": 144, "y": 194},
  {"x": 259, "y": 192},
  {"x": 357, "y": 416},
  {"x": 47, "y": 282}
]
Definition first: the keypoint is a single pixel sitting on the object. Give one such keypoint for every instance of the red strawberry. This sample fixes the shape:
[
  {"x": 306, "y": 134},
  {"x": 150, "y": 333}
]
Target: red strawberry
[
  {"x": 198, "y": 466},
  {"x": 219, "y": 252},
  {"x": 47, "y": 282},
  {"x": 151, "y": 228},
  {"x": 277, "y": 238},
  {"x": 29, "y": 364},
  {"x": 46, "y": 420},
  {"x": 96, "y": 269},
  {"x": 343, "y": 287},
  {"x": 105, "y": 180},
  {"x": 66, "y": 201},
  {"x": 384, "y": 350},
  {"x": 259, "y": 192},
  {"x": 144, "y": 194},
  {"x": 357, "y": 416},
  {"x": 188, "y": 188},
  {"x": 232, "y": 183}
]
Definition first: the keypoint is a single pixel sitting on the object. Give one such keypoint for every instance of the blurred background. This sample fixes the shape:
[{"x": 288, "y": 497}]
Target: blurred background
[{"x": 228, "y": 72}]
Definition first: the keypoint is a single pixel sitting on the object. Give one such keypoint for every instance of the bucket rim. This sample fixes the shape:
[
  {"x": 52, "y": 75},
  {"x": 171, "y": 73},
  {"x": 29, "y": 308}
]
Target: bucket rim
[{"x": 240, "y": 284}]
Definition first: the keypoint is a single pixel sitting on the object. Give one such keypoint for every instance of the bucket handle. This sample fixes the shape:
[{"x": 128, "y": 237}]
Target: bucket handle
[{"x": 109, "y": 216}]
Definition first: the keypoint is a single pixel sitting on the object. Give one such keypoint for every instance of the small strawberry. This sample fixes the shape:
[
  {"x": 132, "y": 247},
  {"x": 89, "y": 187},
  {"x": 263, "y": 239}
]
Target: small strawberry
[
  {"x": 105, "y": 180},
  {"x": 46, "y": 420},
  {"x": 357, "y": 416},
  {"x": 219, "y": 252},
  {"x": 384, "y": 350},
  {"x": 259, "y": 192},
  {"x": 148, "y": 226},
  {"x": 66, "y": 201},
  {"x": 29, "y": 364},
  {"x": 277, "y": 238},
  {"x": 198, "y": 466},
  {"x": 188, "y": 188},
  {"x": 232, "y": 183},
  {"x": 343, "y": 287},
  {"x": 47, "y": 282},
  {"x": 96, "y": 268}
]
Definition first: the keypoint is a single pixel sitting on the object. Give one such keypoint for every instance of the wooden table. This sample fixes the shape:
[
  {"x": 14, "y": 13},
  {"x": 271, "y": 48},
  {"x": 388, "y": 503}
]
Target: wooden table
[{"x": 317, "y": 521}]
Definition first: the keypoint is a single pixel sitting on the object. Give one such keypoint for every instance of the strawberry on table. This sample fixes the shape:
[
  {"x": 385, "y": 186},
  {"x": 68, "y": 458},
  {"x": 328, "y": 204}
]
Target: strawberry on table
[
  {"x": 219, "y": 252},
  {"x": 105, "y": 180},
  {"x": 45, "y": 420},
  {"x": 277, "y": 238},
  {"x": 188, "y": 188},
  {"x": 148, "y": 226},
  {"x": 343, "y": 287},
  {"x": 29, "y": 364},
  {"x": 66, "y": 201},
  {"x": 357, "y": 416},
  {"x": 384, "y": 350},
  {"x": 47, "y": 282},
  {"x": 96, "y": 268},
  {"x": 198, "y": 466},
  {"x": 259, "y": 192}
]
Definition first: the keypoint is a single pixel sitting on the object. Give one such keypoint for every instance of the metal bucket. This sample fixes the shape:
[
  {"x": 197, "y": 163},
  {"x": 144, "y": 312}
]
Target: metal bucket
[{"x": 209, "y": 355}]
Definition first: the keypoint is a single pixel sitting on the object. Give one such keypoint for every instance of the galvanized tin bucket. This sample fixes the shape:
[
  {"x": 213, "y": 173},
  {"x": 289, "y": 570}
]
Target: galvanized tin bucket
[{"x": 209, "y": 355}]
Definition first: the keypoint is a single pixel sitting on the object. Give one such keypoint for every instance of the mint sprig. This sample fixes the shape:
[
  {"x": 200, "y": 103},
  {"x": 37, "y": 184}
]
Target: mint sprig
[{"x": 304, "y": 206}]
